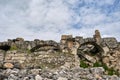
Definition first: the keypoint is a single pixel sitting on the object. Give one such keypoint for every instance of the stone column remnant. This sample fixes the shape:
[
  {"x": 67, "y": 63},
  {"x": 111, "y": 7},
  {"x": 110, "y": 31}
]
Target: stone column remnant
[{"x": 97, "y": 36}]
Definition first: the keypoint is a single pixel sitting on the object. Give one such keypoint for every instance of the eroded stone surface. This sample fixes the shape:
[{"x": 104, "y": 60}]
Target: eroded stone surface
[{"x": 59, "y": 74}]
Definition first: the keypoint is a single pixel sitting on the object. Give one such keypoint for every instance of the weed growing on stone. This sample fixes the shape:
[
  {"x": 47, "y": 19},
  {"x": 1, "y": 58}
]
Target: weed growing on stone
[
  {"x": 83, "y": 64},
  {"x": 110, "y": 71}
]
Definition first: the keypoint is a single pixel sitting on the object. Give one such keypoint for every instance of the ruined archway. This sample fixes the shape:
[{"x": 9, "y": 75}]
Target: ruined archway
[
  {"x": 45, "y": 47},
  {"x": 90, "y": 51},
  {"x": 5, "y": 47}
]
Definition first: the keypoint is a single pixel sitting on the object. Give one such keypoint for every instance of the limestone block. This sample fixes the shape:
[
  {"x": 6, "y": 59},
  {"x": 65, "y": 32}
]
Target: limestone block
[
  {"x": 8, "y": 65},
  {"x": 106, "y": 50},
  {"x": 97, "y": 36},
  {"x": 1, "y": 56}
]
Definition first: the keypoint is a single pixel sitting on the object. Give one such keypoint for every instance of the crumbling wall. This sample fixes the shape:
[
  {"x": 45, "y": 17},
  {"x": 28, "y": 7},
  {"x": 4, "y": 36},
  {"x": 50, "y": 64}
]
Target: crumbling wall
[
  {"x": 103, "y": 50},
  {"x": 93, "y": 49},
  {"x": 20, "y": 44}
]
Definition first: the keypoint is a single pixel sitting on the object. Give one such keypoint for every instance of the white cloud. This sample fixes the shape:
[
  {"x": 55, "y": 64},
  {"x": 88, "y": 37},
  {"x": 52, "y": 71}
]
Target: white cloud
[
  {"x": 93, "y": 19},
  {"x": 49, "y": 19}
]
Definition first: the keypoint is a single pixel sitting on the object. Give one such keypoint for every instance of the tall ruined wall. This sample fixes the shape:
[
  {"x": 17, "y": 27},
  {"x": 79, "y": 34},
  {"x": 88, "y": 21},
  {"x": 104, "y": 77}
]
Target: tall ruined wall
[{"x": 32, "y": 54}]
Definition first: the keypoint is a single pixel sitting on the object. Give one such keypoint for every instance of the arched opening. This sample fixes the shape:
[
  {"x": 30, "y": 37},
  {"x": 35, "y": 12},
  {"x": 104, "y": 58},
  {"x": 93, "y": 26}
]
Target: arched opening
[
  {"x": 90, "y": 51},
  {"x": 45, "y": 47},
  {"x": 5, "y": 47}
]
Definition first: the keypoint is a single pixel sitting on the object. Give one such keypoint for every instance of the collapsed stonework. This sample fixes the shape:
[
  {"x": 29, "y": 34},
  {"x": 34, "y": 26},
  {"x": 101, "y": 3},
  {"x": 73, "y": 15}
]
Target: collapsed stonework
[
  {"x": 69, "y": 52},
  {"x": 94, "y": 50}
]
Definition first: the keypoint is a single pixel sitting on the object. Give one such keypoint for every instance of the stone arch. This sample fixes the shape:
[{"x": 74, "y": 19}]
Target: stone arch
[
  {"x": 96, "y": 46},
  {"x": 88, "y": 50},
  {"x": 45, "y": 47}
]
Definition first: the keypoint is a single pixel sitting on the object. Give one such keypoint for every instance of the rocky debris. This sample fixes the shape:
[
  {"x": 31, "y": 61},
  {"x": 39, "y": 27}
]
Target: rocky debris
[
  {"x": 110, "y": 42},
  {"x": 62, "y": 78},
  {"x": 75, "y": 73},
  {"x": 112, "y": 59},
  {"x": 103, "y": 50},
  {"x": 38, "y": 77}
]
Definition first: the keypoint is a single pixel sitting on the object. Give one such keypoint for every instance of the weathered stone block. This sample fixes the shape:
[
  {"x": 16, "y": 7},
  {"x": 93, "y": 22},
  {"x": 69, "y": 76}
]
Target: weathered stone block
[
  {"x": 97, "y": 36},
  {"x": 65, "y": 37},
  {"x": 8, "y": 65},
  {"x": 19, "y": 39}
]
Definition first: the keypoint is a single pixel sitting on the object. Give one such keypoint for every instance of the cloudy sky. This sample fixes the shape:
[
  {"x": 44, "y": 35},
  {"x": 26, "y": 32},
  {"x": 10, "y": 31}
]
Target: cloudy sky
[{"x": 49, "y": 19}]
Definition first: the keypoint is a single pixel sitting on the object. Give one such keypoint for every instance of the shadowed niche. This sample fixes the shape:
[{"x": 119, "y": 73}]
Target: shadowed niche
[
  {"x": 51, "y": 47},
  {"x": 90, "y": 49},
  {"x": 5, "y": 47}
]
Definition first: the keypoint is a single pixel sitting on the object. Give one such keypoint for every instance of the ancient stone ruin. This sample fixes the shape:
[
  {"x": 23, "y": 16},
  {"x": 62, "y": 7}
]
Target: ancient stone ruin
[{"x": 70, "y": 52}]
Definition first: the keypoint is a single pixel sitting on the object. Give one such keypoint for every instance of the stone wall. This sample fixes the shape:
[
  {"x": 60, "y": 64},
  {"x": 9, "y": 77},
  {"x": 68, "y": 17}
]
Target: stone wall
[
  {"x": 40, "y": 59},
  {"x": 20, "y": 44},
  {"x": 91, "y": 49}
]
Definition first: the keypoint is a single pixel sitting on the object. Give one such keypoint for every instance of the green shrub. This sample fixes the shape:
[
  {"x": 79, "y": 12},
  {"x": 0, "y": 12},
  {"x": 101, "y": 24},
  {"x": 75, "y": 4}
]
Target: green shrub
[
  {"x": 83, "y": 64},
  {"x": 110, "y": 71},
  {"x": 105, "y": 67},
  {"x": 116, "y": 73},
  {"x": 97, "y": 64}
]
